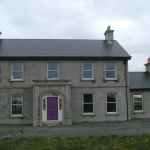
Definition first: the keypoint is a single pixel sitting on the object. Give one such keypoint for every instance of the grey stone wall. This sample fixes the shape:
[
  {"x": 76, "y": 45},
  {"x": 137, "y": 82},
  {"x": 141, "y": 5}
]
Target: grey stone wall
[{"x": 68, "y": 70}]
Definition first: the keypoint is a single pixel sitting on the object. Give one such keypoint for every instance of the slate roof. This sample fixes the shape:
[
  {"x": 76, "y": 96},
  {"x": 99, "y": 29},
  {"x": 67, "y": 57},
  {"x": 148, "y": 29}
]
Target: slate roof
[
  {"x": 139, "y": 80},
  {"x": 61, "y": 48}
]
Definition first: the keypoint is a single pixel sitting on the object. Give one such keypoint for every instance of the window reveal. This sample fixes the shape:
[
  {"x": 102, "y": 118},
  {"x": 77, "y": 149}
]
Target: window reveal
[
  {"x": 87, "y": 103},
  {"x": 17, "y": 71},
  {"x": 87, "y": 71},
  {"x": 111, "y": 103},
  {"x": 17, "y": 102},
  {"x": 110, "y": 70},
  {"x": 53, "y": 71}
]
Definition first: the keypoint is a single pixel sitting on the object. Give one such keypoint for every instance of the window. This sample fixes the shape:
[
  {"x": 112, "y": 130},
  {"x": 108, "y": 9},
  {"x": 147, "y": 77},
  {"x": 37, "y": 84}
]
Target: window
[
  {"x": 17, "y": 71},
  {"x": 87, "y": 103},
  {"x": 138, "y": 102},
  {"x": 16, "y": 102},
  {"x": 53, "y": 71},
  {"x": 110, "y": 70},
  {"x": 87, "y": 71},
  {"x": 111, "y": 103}
]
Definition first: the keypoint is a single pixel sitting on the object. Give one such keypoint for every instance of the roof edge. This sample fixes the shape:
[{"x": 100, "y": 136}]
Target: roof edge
[{"x": 62, "y": 58}]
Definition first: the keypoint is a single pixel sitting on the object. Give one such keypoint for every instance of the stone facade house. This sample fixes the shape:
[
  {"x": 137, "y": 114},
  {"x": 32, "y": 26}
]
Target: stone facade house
[{"x": 62, "y": 81}]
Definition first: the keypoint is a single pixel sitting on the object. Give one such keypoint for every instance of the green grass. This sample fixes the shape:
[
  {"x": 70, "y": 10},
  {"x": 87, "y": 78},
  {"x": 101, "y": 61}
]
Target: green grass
[{"x": 113, "y": 142}]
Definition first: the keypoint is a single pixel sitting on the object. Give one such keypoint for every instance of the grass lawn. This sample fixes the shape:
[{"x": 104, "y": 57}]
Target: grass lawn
[{"x": 113, "y": 142}]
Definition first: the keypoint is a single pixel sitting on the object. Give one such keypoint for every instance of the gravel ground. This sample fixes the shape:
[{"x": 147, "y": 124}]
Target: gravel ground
[{"x": 138, "y": 126}]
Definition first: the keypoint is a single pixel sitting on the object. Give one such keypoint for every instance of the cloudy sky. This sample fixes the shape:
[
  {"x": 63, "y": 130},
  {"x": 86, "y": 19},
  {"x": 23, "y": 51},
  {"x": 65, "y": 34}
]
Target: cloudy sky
[{"x": 81, "y": 19}]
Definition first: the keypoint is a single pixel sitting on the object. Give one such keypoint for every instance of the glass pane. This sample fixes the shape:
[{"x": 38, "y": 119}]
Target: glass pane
[
  {"x": 87, "y": 74},
  {"x": 16, "y": 99},
  {"x": 87, "y": 66},
  {"x": 53, "y": 66},
  {"x": 17, "y": 75},
  {"x": 88, "y": 108},
  {"x": 110, "y": 74},
  {"x": 87, "y": 98},
  {"x": 111, "y": 97},
  {"x": 111, "y": 107},
  {"x": 16, "y": 109},
  {"x": 53, "y": 74},
  {"x": 110, "y": 66},
  {"x": 138, "y": 98},
  {"x": 17, "y": 67},
  {"x": 138, "y": 106}
]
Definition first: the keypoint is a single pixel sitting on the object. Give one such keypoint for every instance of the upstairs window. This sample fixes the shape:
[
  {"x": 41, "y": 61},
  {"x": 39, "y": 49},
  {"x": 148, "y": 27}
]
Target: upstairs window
[
  {"x": 87, "y": 103},
  {"x": 111, "y": 103},
  {"x": 53, "y": 71},
  {"x": 87, "y": 71},
  {"x": 17, "y": 71},
  {"x": 110, "y": 71},
  {"x": 138, "y": 102},
  {"x": 17, "y": 104}
]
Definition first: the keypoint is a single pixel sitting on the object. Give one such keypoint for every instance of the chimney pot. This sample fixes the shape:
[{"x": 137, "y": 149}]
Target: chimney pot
[
  {"x": 109, "y": 34},
  {"x": 108, "y": 28},
  {"x": 148, "y": 60}
]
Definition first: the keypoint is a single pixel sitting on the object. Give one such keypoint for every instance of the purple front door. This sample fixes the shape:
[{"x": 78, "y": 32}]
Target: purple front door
[{"x": 52, "y": 108}]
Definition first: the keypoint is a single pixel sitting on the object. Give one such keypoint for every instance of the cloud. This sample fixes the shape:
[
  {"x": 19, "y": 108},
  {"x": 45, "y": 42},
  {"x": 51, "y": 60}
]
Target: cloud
[{"x": 81, "y": 19}]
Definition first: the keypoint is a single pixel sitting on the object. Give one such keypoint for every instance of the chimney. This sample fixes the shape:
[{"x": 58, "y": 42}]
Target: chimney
[
  {"x": 148, "y": 66},
  {"x": 0, "y": 34},
  {"x": 109, "y": 34}
]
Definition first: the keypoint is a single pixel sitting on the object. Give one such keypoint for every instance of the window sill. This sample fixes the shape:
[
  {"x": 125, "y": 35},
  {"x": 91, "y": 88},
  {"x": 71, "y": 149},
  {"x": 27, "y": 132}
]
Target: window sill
[
  {"x": 139, "y": 112},
  {"x": 16, "y": 80},
  {"x": 54, "y": 79},
  {"x": 16, "y": 116},
  {"x": 88, "y": 114},
  {"x": 88, "y": 79},
  {"x": 112, "y": 114},
  {"x": 111, "y": 79}
]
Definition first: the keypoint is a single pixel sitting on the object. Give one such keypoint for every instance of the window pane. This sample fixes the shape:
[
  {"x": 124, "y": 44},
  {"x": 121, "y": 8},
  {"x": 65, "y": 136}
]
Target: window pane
[
  {"x": 17, "y": 67},
  {"x": 17, "y": 75},
  {"x": 137, "y": 98},
  {"x": 52, "y": 74},
  {"x": 138, "y": 106},
  {"x": 111, "y": 107},
  {"x": 53, "y": 66},
  {"x": 16, "y": 99},
  {"x": 110, "y": 66},
  {"x": 87, "y": 66},
  {"x": 87, "y": 74},
  {"x": 88, "y": 108},
  {"x": 87, "y": 98},
  {"x": 16, "y": 109},
  {"x": 111, "y": 97},
  {"x": 110, "y": 74}
]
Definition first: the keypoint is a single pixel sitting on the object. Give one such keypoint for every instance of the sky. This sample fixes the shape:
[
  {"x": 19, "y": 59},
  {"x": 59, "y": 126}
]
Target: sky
[{"x": 81, "y": 19}]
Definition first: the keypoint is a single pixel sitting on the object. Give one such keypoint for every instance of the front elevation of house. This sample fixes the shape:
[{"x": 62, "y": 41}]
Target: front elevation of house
[{"x": 61, "y": 81}]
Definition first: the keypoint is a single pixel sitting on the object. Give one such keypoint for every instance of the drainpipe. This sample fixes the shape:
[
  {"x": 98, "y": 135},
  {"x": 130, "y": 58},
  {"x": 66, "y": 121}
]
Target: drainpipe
[{"x": 125, "y": 64}]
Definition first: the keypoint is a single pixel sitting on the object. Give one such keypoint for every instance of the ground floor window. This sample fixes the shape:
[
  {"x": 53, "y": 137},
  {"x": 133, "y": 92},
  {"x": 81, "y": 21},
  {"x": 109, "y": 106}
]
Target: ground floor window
[
  {"x": 16, "y": 104},
  {"x": 87, "y": 103},
  {"x": 138, "y": 102},
  {"x": 111, "y": 103}
]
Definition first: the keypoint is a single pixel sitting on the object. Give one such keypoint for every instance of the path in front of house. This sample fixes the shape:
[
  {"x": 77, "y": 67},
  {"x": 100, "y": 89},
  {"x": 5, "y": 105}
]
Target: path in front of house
[{"x": 138, "y": 126}]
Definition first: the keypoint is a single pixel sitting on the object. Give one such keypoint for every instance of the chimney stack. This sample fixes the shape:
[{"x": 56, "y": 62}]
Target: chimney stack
[
  {"x": 109, "y": 34},
  {"x": 148, "y": 66},
  {"x": 0, "y": 34}
]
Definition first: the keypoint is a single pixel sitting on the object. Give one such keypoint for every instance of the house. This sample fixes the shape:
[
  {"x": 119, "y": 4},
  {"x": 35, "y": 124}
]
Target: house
[
  {"x": 61, "y": 81},
  {"x": 140, "y": 93}
]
